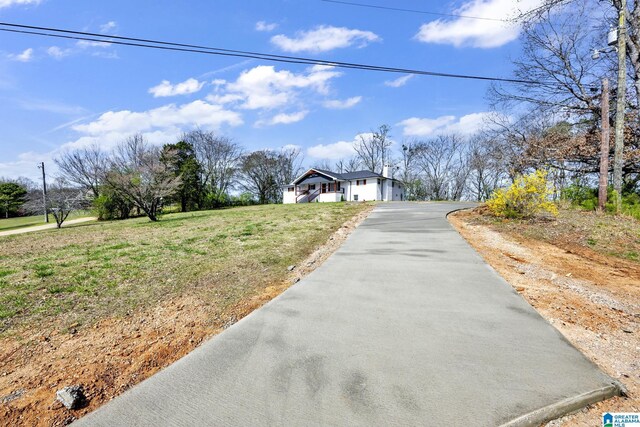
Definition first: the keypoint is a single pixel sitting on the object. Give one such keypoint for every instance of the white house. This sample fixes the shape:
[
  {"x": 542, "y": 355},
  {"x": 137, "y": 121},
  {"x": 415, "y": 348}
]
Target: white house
[{"x": 317, "y": 185}]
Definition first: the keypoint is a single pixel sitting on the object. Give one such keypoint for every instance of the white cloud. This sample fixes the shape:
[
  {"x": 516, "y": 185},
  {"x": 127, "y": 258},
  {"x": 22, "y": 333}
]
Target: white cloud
[
  {"x": 157, "y": 126},
  {"x": 264, "y": 26},
  {"x": 400, "y": 81},
  {"x": 165, "y": 88},
  {"x": 465, "y": 125},
  {"x": 482, "y": 33},
  {"x": 263, "y": 87},
  {"x": 7, "y": 3},
  {"x": 93, "y": 48},
  {"x": 25, "y": 165},
  {"x": 323, "y": 39},
  {"x": 84, "y": 44},
  {"x": 24, "y": 56},
  {"x": 58, "y": 53},
  {"x": 337, "y": 104},
  {"x": 108, "y": 27},
  {"x": 283, "y": 119},
  {"x": 196, "y": 113},
  {"x": 337, "y": 150}
]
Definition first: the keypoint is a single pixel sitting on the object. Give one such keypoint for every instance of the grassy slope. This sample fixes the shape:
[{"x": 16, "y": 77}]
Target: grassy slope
[
  {"x": 610, "y": 235},
  {"x": 83, "y": 273},
  {"x": 28, "y": 221}
]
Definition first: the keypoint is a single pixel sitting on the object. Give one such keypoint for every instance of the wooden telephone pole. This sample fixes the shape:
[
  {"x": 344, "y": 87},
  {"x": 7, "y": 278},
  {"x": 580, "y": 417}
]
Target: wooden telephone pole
[
  {"x": 604, "y": 146},
  {"x": 618, "y": 158},
  {"x": 44, "y": 192}
]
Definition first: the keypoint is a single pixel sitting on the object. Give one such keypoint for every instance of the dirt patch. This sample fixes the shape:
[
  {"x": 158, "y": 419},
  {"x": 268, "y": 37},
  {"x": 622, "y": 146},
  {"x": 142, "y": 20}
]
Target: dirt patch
[
  {"x": 117, "y": 353},
  {"x": 592, "y": 299}
]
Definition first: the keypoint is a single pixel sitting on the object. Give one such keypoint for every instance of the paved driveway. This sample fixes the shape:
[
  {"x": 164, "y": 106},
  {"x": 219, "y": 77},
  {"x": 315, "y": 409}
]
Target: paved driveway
[
  {"x": 45, "y": 226},
  {"x": 404, "y": 325}
]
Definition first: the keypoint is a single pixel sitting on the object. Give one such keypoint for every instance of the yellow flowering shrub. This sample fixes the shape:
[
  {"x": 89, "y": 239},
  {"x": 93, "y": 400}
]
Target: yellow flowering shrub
[{"x": 527, "y": 197}]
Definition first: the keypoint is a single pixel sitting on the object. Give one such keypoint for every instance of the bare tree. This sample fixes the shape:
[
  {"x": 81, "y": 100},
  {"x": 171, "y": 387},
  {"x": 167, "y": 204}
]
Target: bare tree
[
  {"x": 83, "y": 167},
  {"x": 290, "y": 160},
  {"x": 351, "y": 164},
  {"x": 557, "y": 53},
  {"x": 324, "y": 165},
  {"x": 374, "y": 149},
  {"x": 409, "y": 170},
  {"x": 137, "y": 174},
  {"x": 485, "y": 167},
  {"x": 62, "y": 199},
  {"x": 219, "y": 158},
  {"x": 261, "y": 175},
  {"x": 443, "y": 162}
]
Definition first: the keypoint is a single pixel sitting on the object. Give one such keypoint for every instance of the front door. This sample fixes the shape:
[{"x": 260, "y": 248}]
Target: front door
[{"x": 324, "y": 188}]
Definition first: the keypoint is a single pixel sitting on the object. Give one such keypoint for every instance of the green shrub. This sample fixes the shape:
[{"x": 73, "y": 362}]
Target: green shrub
[
  {"x": 527, "y": 197},
  {"x": 109, "y": 206},
  {"x": 581, "y": 196}
]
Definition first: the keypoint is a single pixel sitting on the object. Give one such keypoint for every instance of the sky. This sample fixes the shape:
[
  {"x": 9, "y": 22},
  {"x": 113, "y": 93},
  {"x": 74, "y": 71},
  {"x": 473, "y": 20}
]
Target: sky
[{"x": 57, "y": 94}]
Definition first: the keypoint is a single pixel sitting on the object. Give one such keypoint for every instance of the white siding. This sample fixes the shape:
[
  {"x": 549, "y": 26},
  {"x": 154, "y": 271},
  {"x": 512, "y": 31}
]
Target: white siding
[
  {"x": 288, "y": 196},
  {"x": 365, "y": 192}
]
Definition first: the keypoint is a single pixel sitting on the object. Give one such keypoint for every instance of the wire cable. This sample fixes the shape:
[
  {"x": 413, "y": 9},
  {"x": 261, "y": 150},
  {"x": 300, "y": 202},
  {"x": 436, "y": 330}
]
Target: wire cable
[
  {"x": 181, "y": 47},
  {"x": 424, "y": 12}
]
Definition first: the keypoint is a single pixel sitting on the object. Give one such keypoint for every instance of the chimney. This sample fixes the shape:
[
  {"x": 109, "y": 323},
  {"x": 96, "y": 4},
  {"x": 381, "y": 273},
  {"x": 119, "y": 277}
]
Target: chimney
[{"x": 386, "y": 171}]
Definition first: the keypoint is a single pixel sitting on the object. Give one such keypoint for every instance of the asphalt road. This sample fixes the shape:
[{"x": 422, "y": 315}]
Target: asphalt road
[{"x": 404, "y": 325}]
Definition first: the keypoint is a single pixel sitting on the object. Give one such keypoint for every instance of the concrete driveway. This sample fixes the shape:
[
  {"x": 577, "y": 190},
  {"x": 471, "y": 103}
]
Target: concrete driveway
[
  {"x": 45, "y": 226},
  {"x": 404, "y": 325}
]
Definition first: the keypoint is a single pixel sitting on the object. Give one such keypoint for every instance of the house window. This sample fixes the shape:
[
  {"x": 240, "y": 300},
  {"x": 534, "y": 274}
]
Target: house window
[
  {"x": 337, "y": 186},
  {"x": 393, "y": 184},
  {"x": 290, "y": 189},
  {"x": 355, "y": 197},
  {"x": 364, "y": 182},
  {"x": 357, "y": 182},
  {"x": 378, "y": 181},
  {"x": 312, "y": 186}
]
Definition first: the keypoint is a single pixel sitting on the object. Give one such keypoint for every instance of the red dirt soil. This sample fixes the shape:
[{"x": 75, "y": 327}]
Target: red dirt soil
[{"x": 117, "y": 353}]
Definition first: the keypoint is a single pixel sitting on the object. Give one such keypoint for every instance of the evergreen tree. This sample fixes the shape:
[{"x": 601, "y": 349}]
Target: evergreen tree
[{"x": 181, "y": 159}]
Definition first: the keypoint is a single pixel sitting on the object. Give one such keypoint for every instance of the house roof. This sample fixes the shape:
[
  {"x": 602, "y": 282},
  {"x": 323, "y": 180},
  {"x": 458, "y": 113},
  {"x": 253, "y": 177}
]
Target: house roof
[
  {"x": 341, "y": 176},
  {"x": 360, "y": 175}
]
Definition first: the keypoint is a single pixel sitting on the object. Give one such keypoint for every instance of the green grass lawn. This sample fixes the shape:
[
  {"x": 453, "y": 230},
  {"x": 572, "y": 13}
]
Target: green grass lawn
[
  {"x": 28, "y": 221},
  {"x": 89, "y": 271}
]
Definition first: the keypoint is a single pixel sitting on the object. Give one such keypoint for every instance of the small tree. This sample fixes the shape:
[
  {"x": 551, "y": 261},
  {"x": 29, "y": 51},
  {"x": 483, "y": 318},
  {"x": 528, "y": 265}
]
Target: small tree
[
  {"x": 261, "y": 171},
  {"x": 527, "y": 197},
  {"x": 137, "y": 174},
  {"x": 62, "y": 199},
  {"x": 12, "y": 196}
]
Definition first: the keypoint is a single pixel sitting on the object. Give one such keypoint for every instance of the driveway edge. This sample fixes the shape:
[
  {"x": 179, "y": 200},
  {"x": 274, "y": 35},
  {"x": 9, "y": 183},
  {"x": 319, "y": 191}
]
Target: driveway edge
[{"x": 566, "y": 406}]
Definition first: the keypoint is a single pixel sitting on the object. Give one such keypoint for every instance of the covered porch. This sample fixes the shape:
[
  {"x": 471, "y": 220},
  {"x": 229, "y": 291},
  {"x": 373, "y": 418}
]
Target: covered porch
[{"x": 316, "y": 186}]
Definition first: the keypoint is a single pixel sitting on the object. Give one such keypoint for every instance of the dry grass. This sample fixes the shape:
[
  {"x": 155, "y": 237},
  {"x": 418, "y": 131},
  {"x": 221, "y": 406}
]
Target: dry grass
[
  {"x": 77, "y": 275},
  {"x": 606, "y": 234}
]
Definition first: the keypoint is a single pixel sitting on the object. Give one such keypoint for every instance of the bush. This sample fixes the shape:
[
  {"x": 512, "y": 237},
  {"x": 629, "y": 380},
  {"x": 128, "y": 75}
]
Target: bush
[
  {"x": 109, "y": 206},
  {"x": 527, "y": 197},
  {"x": 581, "y": 196}
]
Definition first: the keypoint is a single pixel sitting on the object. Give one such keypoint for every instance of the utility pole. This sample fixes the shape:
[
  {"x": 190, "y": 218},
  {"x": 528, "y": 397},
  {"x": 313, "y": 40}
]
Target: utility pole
[
  {"x": 604, "y": 146},
  {"x": 618, "y": 158},
  {"x": 44, "y": 192}
]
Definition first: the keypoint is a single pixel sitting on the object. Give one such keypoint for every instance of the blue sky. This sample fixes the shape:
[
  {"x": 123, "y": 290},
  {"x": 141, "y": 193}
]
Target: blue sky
[{"x": 60, "y": 94}]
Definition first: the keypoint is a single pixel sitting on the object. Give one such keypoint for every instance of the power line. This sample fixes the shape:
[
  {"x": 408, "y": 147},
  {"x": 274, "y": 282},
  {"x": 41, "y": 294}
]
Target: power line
[
  {"x": 424, "y": 12},
  {"x": 181, "y": 47}
]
